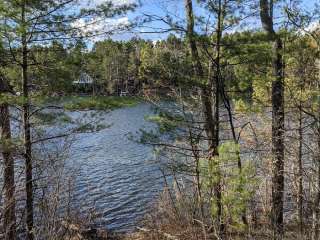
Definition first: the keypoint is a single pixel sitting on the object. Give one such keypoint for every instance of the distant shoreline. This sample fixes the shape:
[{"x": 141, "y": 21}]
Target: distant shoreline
[{"x": 101, "y": 103}]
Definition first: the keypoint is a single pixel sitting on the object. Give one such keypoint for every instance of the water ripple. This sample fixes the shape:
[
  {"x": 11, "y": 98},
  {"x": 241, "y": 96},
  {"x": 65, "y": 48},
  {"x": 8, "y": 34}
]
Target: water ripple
[{"x": 117, "y": 175}]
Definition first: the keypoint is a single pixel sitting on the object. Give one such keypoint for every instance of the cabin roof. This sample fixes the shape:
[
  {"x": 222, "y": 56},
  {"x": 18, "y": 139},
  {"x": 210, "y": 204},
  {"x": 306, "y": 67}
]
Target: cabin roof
[{"x": 84, "y": 79}]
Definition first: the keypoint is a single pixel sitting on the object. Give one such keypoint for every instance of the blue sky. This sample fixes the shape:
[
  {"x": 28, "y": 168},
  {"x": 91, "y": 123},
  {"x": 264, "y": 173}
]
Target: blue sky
[{"x": 175, "y": 8}]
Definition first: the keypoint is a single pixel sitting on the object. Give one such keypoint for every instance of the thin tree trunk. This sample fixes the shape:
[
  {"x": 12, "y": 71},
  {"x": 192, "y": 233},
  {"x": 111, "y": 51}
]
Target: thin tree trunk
[
  {"x": 211, "y": 123},
  {"x": 266, "y": 9},
  {"x": 227, "y": 104},
  {"x": 9, "y": 217},
  {"x": 215, "y": 143},
  {"x": 300, "y": 173},
  {"x": 205, "y": 90},
  {"x": 316, "y": 203},
  {"x": 27, "y": 129},
  {"x": 28, "y": 160}
]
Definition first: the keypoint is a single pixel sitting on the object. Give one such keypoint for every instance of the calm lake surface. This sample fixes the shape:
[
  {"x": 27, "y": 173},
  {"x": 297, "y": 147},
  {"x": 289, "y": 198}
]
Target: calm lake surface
[{"x": 116, "y": 175}]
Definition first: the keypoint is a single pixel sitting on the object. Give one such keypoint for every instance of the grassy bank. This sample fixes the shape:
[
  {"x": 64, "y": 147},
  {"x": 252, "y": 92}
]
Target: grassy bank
[{"x": 82, "y": 103}]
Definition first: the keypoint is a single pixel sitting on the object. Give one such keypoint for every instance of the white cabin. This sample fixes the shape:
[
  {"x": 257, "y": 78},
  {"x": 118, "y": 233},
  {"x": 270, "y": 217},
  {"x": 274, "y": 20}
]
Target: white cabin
[{"x": 84, "y": 79}]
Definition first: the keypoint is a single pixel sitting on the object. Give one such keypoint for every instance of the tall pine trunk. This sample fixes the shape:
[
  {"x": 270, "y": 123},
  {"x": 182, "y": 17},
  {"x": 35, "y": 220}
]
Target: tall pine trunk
[
  {"x": 277, "y": 142},
  {"x": 266, "y": 10},
  {"x": 211, "y": 120},
  {"x": 9, "y": 217},
  {"x": 27, "y": 128}
]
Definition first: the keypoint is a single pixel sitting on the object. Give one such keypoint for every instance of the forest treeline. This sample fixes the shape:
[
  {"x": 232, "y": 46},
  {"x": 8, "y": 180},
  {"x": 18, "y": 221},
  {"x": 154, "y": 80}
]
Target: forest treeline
[
  {"x": 144, "y": 64},
  {"x": 243, "y": 160}
]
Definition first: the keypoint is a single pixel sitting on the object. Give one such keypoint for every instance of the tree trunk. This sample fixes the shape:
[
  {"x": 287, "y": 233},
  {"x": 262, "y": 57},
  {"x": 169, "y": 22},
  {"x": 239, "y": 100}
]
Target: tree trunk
[
  {"x": 211, "y": 123},
  {"x": 9, "y": 217},
  {"x": 277, "y": 143},
  {"x": 266, "y": 9},
  {"x": 300, "y": 173},
  {"x": 316, "y": 203},
  {"x": 27, "y": 130}
]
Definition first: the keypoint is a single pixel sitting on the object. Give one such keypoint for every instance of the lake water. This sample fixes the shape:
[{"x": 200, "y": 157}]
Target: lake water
[
  {"x": 116, "y": 175},
  {"x": 111, "y": 172}
]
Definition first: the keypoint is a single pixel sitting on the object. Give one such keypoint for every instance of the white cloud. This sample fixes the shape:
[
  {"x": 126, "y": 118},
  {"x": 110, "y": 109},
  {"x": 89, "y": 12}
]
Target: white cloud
[
  {"x": 314, "y": 26},
  {"x": 94, "y": 3},
  {"x": 119, "y": 2},
  {"x": 98, "y": 28}
]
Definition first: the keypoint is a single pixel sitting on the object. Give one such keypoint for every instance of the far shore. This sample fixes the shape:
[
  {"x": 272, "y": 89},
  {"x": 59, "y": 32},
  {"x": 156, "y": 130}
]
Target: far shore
[{"x": 101, "y": 103}]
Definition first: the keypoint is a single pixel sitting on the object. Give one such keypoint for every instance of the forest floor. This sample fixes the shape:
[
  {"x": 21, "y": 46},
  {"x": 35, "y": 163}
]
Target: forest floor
[{"x": 82, "y": 103}]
